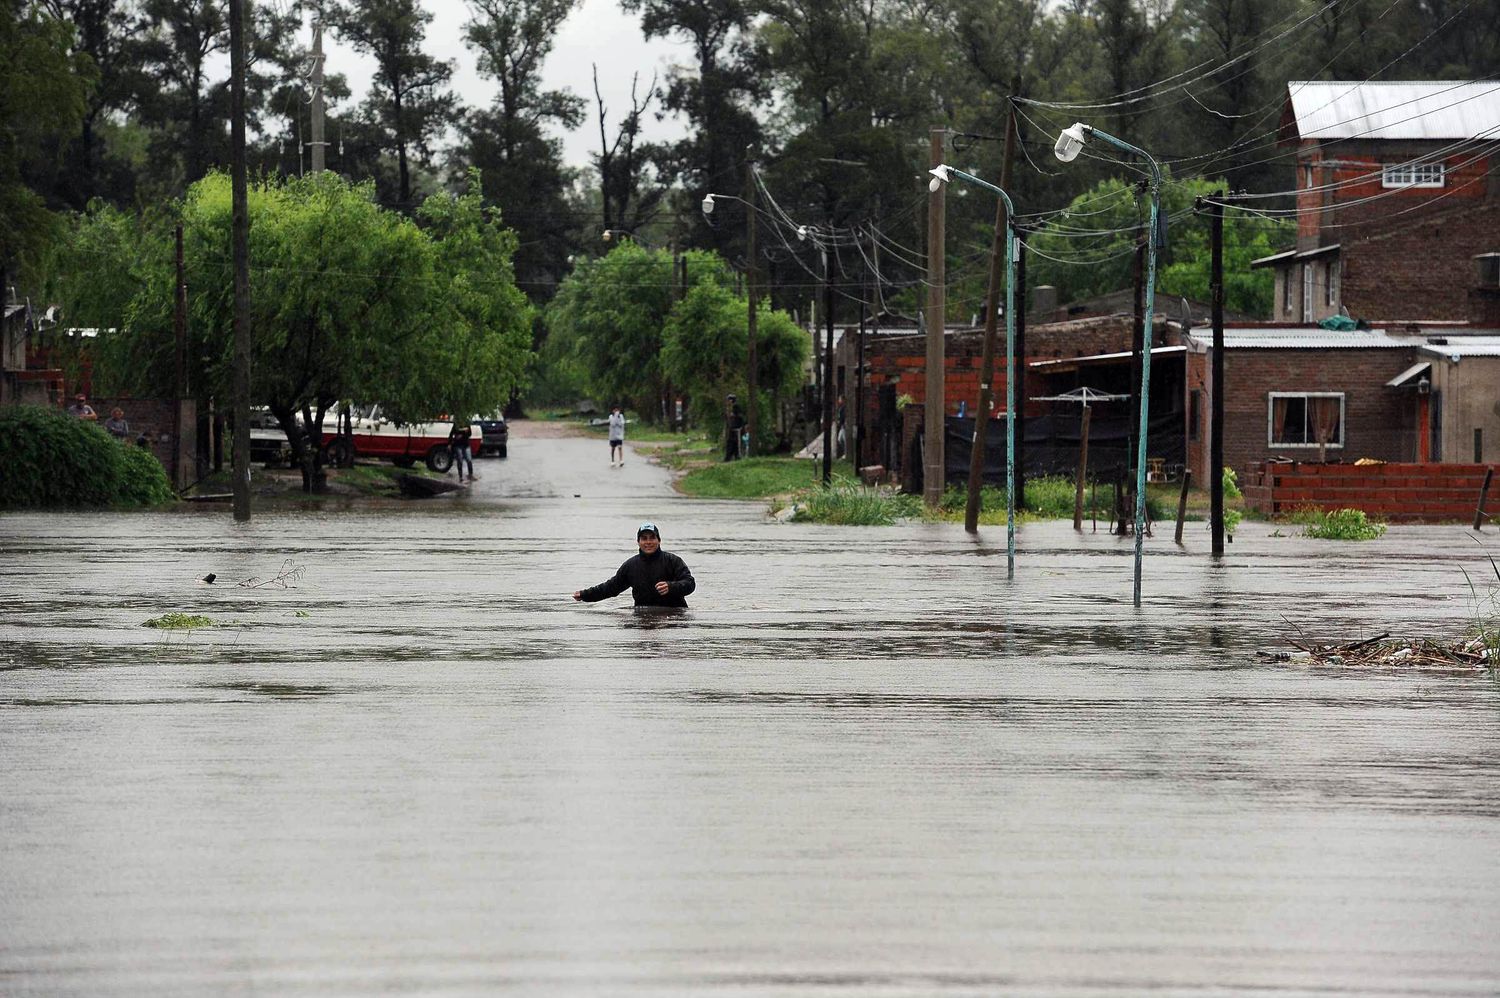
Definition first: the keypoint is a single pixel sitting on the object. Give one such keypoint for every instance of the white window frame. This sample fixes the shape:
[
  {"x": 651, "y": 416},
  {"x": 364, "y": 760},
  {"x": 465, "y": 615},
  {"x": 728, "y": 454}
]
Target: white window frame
[
  {"x": 1286, "y": 291},
  {"x": 1271, "y": 398},
  {"x": 1331, "y": 276},
  {"x": 1307, "y": 292},
  {"x": 1414, "y": 175}
]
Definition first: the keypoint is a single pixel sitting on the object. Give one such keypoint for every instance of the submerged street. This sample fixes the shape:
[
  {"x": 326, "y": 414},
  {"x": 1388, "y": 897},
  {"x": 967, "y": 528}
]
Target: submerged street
[{"x": 862, "y": 762}]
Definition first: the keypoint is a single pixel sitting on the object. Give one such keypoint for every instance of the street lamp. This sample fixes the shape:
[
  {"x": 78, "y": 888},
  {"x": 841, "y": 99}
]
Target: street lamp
[
  {"x": 752, "y": 332},
  {"x": 1069, "y": 144},
  {"x": 944, "y": 174}
]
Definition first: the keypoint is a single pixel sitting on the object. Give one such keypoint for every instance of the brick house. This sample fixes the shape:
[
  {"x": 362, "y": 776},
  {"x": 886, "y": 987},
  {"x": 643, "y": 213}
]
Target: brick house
[
  {"x": 1398, "y": 200},
  {"x": 1302, "y": 394}
]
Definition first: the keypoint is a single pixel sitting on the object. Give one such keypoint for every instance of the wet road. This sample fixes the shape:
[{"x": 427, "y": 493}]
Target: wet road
[{"x": 862, "y": 763}]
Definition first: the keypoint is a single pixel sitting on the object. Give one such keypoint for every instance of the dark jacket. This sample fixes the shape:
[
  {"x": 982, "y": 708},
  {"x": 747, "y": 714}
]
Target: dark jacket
[{"x": 641, "y": 574}]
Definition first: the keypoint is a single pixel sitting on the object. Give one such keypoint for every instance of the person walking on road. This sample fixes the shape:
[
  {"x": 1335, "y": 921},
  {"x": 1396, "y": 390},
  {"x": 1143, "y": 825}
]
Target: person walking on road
[
  {"x": 616, "y": 437},
  {"x": 458, "y": 444},
  {"x": 654, "y": 577}
]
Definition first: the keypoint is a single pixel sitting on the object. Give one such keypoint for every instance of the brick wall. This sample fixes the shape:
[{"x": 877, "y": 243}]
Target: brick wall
[
  {"x": 151, "y": 417},
  {"x": 1380, "y": 422},
  {"x": 1398, "y": 492},
  {"x": 1421, "y": 270}
]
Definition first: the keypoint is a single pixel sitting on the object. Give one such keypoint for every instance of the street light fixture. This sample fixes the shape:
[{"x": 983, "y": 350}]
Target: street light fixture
[
  {"x": 1069, "y": 144},
  {"x": 943, "y": 174}
]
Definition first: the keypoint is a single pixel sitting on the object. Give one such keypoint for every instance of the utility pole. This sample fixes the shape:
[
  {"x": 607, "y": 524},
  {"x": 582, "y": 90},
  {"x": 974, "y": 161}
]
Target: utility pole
[
  {"x": 1216, "y": 418},
  {"x": 977, "y": 445},
  {"x": 1138, "y": 338},
  {"x": 317, "y": 143},
  {"x": 932, "y": 440},
  {"x": 179, "y": 328},
  {"x": 240, "y": 252},
  {"x": 1020, "y": 415},
  {"x": 859, "y": 381},
  {"x": 752, "y": 416},
  {"x": 828, "y": 369}
]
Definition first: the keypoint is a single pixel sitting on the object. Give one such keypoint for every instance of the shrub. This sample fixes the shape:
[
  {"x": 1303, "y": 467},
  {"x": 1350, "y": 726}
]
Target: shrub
[
  {"x": 850, "y": 503},
  {"x": 1231, "y": 485},
  {"x": 48, "y": 458},
  {"x": 1343, "y": 525}
]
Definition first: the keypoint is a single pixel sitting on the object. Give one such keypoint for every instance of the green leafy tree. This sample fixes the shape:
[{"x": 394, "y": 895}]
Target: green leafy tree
[
  {"x": 349, "y": 301},
  {"x": 1082, "y": 265},
  {"x": 613, "y": 310}
]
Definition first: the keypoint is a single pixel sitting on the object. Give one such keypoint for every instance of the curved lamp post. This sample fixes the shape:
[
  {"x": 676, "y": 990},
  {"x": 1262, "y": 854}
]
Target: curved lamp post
[
  {"x": 942, "y": 175},
  {"x": 751, "y": 362},
  {"x": 1069, "y": 144}
]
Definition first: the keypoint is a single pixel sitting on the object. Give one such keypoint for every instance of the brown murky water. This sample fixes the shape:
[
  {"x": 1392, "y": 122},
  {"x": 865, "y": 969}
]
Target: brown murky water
[{"x": 862, "y": 763}]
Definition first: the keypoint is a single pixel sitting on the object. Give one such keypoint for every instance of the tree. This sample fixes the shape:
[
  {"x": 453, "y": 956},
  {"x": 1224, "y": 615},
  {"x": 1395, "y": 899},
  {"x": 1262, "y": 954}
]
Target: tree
[
  {"x": 1082, "y": 266},
  {"x": 508, "y": 142},
  {"x": 628, "y": 193},
  {"x": 105, "y": 31},
  {"x": 408, "y": 104},
  {"x": 717, "y": 93},
  {"x": 42, "y": 89},
  {"x": 351, "y": 302}
]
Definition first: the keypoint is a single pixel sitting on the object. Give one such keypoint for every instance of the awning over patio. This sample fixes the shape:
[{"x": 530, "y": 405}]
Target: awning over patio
[{"x": 1408, "y": 378}]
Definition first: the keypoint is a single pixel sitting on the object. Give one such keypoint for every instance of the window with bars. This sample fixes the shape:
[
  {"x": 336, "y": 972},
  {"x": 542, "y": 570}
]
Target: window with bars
[{"x": 1413, "y": 175}]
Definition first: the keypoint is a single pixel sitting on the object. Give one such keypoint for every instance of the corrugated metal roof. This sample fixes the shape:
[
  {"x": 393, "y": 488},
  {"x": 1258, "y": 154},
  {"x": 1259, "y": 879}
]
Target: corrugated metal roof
[
  {"x": 1305, "y": 338},
  {"x": 1443, "y": 109},
  {"x": 1465, "y": 346}
]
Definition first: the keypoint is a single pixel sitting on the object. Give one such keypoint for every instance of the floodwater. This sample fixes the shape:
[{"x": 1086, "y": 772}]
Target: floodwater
[{"x": 862, "y": 763}]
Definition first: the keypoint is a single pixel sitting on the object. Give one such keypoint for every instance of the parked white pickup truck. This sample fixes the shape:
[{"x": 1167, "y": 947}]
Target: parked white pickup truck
[{"x": 404, "y": 444}]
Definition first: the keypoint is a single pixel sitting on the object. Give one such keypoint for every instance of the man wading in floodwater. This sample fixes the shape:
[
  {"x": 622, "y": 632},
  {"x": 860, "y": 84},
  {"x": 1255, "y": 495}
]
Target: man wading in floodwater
[{"x": 654, "y": 577}]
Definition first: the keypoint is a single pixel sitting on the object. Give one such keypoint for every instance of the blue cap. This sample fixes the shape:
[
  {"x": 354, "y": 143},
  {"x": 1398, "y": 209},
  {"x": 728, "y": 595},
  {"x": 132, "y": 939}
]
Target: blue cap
[{"x": 648, "y": 527}]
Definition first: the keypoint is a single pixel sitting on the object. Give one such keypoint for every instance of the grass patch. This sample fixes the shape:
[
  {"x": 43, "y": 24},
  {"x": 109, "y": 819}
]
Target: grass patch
[
  {"x": 849, "y": 503},
  {"x": 1050, "y": 498},
  {"x": 178, "y": 622},
  {"x": 1337, "y": 525},
  {"x": 757, "y": 477}
]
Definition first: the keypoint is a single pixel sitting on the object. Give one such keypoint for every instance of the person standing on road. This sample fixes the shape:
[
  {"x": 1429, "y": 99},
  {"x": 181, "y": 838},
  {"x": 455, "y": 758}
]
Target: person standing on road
[
  {"x": 734, "y": 424},
  {"x": 654, "y": 577},
  {"x": 616, "y": 436},
  {"x": 458, "y": 444}
]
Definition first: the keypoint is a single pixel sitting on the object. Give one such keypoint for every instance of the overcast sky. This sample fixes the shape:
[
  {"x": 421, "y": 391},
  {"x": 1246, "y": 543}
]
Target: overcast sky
[{"x": 598, "y": 32}]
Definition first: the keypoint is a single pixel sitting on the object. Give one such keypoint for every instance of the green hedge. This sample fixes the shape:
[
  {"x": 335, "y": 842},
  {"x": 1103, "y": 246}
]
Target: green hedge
[{"x": 48, "y": 458}]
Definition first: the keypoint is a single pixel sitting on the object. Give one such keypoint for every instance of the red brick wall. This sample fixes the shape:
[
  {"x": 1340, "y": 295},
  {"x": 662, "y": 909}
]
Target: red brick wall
[
  {"x": 153, "y": 417},
  {"x": 1379, "y": 421},
  {"x": 1401, "y": 492}
]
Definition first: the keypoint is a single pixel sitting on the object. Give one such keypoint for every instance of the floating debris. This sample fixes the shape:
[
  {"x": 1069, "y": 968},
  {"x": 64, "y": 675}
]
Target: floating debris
[
  {"x": 289, "y": 574},
  {"x": 178, "y": 622},
  {"x": 1472, "y": 654}
]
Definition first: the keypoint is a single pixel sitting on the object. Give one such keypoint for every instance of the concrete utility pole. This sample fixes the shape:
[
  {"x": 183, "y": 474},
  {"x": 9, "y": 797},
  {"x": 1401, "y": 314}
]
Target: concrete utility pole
[
  {"x": 752, "y": 419},
  {"x": 932, "y": 440},
  {"x": 317, "y": 143},
  {"x": 240, "y": 252}
]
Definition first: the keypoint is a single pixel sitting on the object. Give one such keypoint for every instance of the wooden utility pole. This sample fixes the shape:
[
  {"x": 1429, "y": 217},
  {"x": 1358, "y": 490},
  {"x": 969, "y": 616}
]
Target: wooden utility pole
[
  {"x": 180, "y": 385},
  {"x": 1020, "y": 415},
  {"x": 1216, "y": 405},
  {"x": 932, "y": 439},
  {"x": 240, "y": 253},
  {"x": 752, "y": 415},
  {"x": 317, "y": 143},
  {"x": 998, "y": 249},
  {"x": 828, "y": 369}
]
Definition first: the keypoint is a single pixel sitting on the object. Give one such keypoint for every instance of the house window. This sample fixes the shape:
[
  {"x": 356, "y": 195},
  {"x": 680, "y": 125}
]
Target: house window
[
  {"x": 1413, "y": 175},
  {"x": 1307, "y": 292},
  {"x": 1331, "y": 284},
  {"x": 1307, "y": 175},
  {"x": 1195, "y": 412},
  {"x": 1286, "y": 293},
  {"x": 1305, "y": 419}
]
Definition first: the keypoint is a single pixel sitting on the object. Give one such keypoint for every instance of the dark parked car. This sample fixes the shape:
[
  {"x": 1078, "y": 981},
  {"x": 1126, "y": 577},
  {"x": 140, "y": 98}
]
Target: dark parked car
[{"x": 495, "y": 434}]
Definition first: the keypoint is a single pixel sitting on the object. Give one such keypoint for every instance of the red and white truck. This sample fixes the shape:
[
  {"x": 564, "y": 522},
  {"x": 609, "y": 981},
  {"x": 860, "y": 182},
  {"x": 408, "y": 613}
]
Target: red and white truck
[{"x": 404, "y": 444}]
